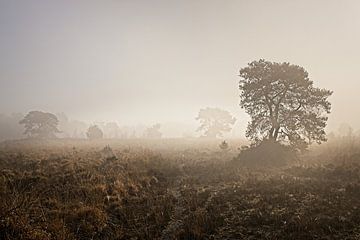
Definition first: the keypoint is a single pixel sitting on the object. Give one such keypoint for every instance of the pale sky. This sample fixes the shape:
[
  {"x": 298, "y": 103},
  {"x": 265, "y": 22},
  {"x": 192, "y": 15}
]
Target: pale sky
[{"x": 161, "y": 61}]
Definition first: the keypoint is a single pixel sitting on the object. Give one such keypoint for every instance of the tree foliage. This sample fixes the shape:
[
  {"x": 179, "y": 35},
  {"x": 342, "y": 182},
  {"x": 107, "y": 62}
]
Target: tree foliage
[
  {"x": 283, "y": 104},
  {"x": 40, "y": 124},
  {"x": 214, "y": 122},
  {"x": 94, "y": 132}
]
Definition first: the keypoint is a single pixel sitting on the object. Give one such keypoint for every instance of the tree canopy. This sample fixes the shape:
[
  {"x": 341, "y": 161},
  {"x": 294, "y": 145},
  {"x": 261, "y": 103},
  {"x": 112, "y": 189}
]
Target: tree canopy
[
  {"x": 283, "y": 104},
  {"x": 40, "y": 124},
  {"x": 214, "y": 122},
  {"x": 94, "y": 132}
]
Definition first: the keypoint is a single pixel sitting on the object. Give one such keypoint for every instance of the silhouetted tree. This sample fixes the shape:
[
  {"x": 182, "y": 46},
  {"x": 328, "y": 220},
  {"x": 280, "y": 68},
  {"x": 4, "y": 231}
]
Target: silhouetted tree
[
  {"x": 94, "y": 132},
  {"x": 40, "y": 124},
  {"x": 153, "y": 132},
  {"x": 283, "y": 104},
  {"x": 214, "y": 122}
]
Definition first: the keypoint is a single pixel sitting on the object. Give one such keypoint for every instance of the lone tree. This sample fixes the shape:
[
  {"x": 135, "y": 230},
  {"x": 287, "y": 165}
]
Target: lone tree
[
  {"x": 214, "y": 122},
  {"x": 283, "y": 104},
  {"x": 40, "y": 124},
  {"x": 94, "y": 132}
]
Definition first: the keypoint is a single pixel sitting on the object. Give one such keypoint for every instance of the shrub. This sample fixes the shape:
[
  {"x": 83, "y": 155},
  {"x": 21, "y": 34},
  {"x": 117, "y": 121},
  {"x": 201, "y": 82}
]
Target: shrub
[
  {"x": 266, "y": 154},
  {"x": 224, "y": 145}
]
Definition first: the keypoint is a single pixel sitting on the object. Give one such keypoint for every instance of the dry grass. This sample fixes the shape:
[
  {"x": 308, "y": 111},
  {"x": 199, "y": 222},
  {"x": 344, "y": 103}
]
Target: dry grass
[{"x": 178, "y": 190}]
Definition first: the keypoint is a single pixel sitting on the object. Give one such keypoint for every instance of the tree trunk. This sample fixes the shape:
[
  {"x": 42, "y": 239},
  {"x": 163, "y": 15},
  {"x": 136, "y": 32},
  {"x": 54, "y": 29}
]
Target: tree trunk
[
  {"x": 271, "y": 133},
  {"x": 276, "y": 133}
]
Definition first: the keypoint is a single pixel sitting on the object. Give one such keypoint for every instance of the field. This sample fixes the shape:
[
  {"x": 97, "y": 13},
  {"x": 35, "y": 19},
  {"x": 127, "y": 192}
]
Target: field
[{"x": 172, "y": 189}]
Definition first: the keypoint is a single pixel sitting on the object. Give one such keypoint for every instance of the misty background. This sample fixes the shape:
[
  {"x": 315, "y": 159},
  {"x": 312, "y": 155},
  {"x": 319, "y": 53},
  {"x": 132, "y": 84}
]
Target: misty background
[{"x": 138, "y": 63}]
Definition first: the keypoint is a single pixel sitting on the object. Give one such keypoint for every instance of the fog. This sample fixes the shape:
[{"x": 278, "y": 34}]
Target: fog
[
  {"x": 179, "y": 119},
  {"x": 139, "y": 63}
]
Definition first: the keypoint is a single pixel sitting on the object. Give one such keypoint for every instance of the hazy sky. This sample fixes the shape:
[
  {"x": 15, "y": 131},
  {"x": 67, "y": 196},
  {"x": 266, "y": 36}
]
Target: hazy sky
[{"x": 159, "y": 61}]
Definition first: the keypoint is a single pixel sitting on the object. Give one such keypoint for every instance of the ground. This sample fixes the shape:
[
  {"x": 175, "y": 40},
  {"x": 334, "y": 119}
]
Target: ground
[{"x": 169, "y": 189}]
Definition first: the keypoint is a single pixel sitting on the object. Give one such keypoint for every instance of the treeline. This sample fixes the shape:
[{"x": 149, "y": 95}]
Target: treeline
[
  {"x": 11, "y": 128},
  {"x": 213, "y": 123}
]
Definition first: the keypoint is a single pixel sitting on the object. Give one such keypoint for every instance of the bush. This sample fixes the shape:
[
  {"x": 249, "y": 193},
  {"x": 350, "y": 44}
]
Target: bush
[{"x": 266, "y": 154}]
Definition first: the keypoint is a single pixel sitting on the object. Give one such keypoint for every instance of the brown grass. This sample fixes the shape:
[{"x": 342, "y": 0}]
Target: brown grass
[{"x": 178, "y": 190}]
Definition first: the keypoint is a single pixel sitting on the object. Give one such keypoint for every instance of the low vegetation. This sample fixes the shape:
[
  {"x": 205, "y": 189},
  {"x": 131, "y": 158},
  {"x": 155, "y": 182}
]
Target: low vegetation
[{"x": 72, "y": 189}]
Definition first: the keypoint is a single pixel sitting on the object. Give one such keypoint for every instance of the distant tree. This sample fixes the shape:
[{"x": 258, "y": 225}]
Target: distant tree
[
  {"x": 111, "y": 130},
  {"x": 94, "y": 132},
  {"x": 40, "y": 124},
  {"x": 214, "y": 122},
  {"x": 153, "y": 132},
  {"x": 71, "y": 128},
  {"x": 347, "y": 138},
  {"x": 283, "y": 104},
  {"x": 63, "y": 124},
  {"x": 78, "y": 129},
  {"x": 345, "y": 130}
]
